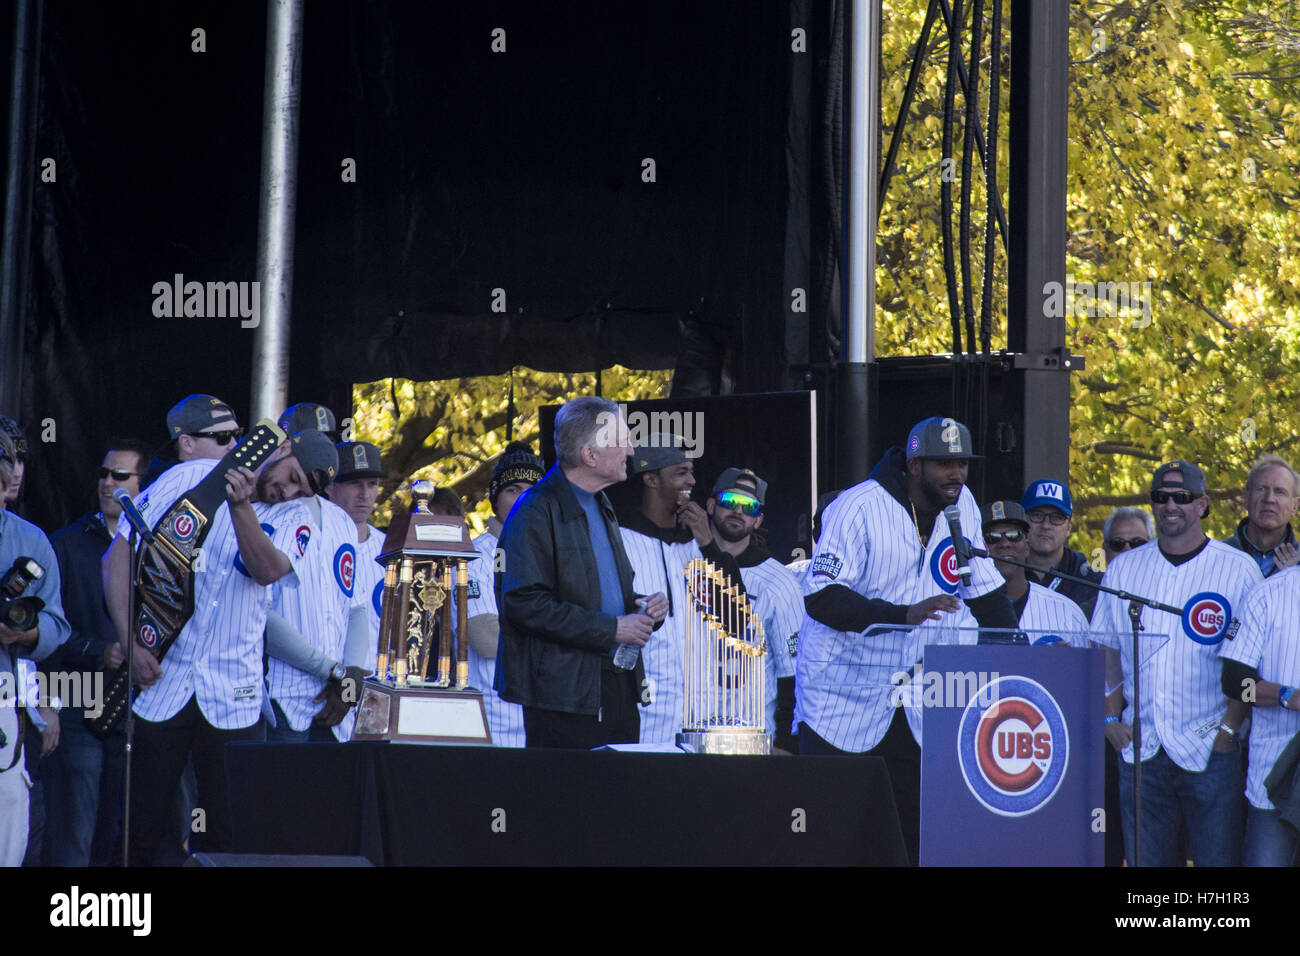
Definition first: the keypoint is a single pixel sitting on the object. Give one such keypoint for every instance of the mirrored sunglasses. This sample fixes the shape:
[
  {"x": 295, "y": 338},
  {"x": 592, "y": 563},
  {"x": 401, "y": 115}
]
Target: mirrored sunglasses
[{"x": 735, "y": 501}]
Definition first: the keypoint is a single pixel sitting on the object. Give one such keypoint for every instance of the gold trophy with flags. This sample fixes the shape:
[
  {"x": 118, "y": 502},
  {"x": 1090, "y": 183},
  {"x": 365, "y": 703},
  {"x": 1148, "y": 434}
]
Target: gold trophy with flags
[
  {"x": 726, "y": 668},
  {"x": 426, "y": 559}
]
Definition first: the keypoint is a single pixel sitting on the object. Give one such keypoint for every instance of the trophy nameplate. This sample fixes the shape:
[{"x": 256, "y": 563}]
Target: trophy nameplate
[{"x": 421, "y": 714}]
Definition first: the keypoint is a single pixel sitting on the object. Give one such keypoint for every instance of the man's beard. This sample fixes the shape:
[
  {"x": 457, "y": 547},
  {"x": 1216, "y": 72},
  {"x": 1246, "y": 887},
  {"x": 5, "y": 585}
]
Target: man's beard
[{"x": 730, "y": 534}]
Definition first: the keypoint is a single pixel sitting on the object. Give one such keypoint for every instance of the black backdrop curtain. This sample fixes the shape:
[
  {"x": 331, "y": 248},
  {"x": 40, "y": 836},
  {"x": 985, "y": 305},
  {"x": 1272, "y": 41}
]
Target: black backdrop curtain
[{"x": 475, "y": 171}]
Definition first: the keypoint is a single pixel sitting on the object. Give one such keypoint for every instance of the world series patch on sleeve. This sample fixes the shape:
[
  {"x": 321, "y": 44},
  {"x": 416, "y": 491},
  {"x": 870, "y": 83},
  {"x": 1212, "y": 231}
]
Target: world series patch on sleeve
[{"x": 827, "y": 565}]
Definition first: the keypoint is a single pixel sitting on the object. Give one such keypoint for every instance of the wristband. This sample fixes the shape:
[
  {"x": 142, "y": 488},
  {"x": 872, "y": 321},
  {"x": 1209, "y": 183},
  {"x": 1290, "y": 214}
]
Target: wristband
[
  {"x": 1111, "y": 719},
  {"x": 1284, "y": 695},
  {"x": 1228, "y": 730}
]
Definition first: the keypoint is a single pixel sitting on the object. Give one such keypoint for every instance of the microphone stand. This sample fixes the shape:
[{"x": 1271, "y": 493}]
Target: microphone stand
[
  {"x": 137, "y": 562},
  {"x": 1135, "y": 605}
]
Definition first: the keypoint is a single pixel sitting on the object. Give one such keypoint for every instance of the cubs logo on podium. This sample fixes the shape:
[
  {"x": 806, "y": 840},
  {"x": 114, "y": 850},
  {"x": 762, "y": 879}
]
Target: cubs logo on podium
[
  {"x": 1013, "y": 751},
  {"x": 1206, "y": 617},
  {"x": 943, "y": 566}
]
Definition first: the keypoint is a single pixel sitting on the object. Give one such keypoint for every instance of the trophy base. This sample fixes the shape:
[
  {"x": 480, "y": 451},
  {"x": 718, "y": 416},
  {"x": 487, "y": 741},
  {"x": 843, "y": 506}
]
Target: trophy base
[
  {"x": 753, "y": 742},
  {"x": 421, "y": 713}
]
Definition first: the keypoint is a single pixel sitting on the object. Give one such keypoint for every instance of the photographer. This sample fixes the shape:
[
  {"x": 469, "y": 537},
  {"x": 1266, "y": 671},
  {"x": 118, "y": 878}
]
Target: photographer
[{"x": 20, "y": 539}]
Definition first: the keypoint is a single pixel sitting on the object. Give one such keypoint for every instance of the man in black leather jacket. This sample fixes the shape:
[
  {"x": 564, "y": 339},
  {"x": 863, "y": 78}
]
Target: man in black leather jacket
[{"x": 565, "y": 593}]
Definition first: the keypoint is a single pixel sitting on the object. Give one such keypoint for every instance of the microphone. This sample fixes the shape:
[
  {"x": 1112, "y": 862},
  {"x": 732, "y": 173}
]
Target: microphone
[
  {"x": 132, "y": 515},
  {"x": 959, "y": 543}
]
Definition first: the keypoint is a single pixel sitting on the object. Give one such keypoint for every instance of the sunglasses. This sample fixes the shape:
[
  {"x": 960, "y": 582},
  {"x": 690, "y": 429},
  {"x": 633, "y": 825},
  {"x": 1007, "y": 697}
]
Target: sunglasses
[
  {"x": 1121, "y": 544},
  {"x": 993, "y": 537},
  {"x": 221, "y": 438},
  {"x": 734, "y": 500},
  {"x": 119, "y": 474},
  {"x": 1051, "y": 517},
  {"x": 1180, "y": 497}
]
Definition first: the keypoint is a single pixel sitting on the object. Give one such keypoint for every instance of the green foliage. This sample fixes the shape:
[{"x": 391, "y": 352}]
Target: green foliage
[
  {"x": 1184, "y": 139},
  {"x": 452, "y": 431}
]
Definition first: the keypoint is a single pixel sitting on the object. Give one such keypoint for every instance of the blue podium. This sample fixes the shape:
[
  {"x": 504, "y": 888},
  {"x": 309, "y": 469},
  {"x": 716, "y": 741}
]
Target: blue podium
[{"x": 1011, "y": 756}]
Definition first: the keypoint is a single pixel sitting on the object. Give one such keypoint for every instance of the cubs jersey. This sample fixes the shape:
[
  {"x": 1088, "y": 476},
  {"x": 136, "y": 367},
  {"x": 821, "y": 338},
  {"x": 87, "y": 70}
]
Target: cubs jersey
[
  {"x": 1182, "y": 700},
  {"x": 845, "y": 681},
  {"x": 217, "y": 658},
  {"x": 1048, "y": 610},
  {"x": 1268, "y": 639},
  {"x": 369, "y": 587},
  {"x": 317, "y": 607},
  {"x": 777, "y": 599},
  {"x": 505, "y": 719},
  {"x": 659, "y": 567}
]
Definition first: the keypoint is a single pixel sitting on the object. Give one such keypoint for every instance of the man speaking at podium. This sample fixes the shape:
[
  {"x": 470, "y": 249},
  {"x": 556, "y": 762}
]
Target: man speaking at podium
[{"x": 886, "y": 556}]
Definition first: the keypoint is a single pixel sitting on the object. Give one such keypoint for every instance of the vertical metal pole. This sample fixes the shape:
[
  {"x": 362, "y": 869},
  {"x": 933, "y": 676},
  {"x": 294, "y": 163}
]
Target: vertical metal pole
[
  {"x": 279, "y": 190},
  {"x": 852, "y": 451},
  {"x": 1040, "y": 63},
  {"x": 19, "y": 177}
]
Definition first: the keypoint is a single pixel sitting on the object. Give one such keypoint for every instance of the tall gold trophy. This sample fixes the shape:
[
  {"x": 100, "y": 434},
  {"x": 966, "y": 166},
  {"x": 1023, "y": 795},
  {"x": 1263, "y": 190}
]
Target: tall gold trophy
[
  {"x": 726, "y": 661},
  {"x": 426, "y": 560}
]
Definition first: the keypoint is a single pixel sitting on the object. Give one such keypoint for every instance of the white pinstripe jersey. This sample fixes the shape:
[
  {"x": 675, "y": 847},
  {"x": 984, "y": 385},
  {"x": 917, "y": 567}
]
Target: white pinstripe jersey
[
  {"x": 778, "y": 601},
  {"x": 1268, "y": 639},
  {"x": 843, "y": 680},
  {"x": 1182, "y": 700},
  {"x": 505, "y": 719},
  {"x": 318, "y": 607},
  {"x": 1046, "y": 610},
  {"x": 369, "y": 588},
  {"x": 218, "y": 656},
  {"x": 659, "y": 567}
]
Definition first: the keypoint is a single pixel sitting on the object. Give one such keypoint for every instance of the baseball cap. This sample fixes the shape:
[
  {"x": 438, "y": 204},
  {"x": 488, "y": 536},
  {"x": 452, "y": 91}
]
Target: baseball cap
[
  {"x": 661, "y": 451},
  {"x": 933, "y": 438},
  {"x": 306, "y": 415},
  {"x": 194, "y": 413},
  {"x": 1190, "y": 478},
  {"x": 9, "y": 428},
  {"x": 996, "y": 511},
  {"x": 727, "y": 482},
  {"x": 1045, "y": 491},
  {"x": 317, "y": 455},
  {"x": 517, "y": 463},
  {"x": 358, "y": 459}
]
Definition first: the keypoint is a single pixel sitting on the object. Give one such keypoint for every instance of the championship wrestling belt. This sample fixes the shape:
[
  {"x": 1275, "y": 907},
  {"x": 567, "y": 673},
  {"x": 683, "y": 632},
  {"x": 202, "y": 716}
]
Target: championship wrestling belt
[{"x": 165, "y": 600}]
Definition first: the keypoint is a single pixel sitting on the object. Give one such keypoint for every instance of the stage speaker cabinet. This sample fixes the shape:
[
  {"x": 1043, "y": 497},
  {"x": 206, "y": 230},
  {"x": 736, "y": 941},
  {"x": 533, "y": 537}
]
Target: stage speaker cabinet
[{"x": 426, "y": 560}]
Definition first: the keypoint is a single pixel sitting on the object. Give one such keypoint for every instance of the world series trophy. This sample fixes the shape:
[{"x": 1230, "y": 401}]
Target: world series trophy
[
  {"x": 426, "y": 573},
  {"x": 726, "y": 661}
]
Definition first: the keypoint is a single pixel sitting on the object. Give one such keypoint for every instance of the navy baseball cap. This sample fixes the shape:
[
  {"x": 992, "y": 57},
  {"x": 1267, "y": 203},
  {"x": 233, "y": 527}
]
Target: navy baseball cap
[
  {"x": 317, "y": 456},
  {"x": 306, "y": 415},
  {"x": 940, "y": 438},
  {"x": 727, "y": 482},
  {"x": 358, "y": 459},
  {"x": 1046, "y": 491}
]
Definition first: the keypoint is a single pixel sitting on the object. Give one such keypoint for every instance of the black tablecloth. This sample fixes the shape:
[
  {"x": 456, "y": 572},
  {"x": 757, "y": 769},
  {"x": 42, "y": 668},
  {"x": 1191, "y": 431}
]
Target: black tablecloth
[{"x": 404, "y": 804}]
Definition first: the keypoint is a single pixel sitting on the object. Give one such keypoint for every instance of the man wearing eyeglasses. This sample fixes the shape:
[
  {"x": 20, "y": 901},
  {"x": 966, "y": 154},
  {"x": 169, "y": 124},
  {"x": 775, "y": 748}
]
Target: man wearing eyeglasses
[
  {"x": 1049, "y": 507},
  {"x": 83, "y": 776},
  {"x": 660, "y": 538},
  {"x": 1265, "y": 533},
  {"x": 1190, "y": 759},
  {"x": 1039, "y": 609},
  {"x": 736, "y": 511},
  {"x": 10, "y": 428}
]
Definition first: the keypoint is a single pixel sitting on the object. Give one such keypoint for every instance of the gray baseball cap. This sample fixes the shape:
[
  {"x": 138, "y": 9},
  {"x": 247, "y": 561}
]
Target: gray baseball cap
[
  {"x": 727, "y": 481},
  {"x": 996, "y": 511},
  {"x": 939, "y": 438},
  {"x": 358, "y": 459},
  {"x": 660, "y": 451},
  {"x": 1190, "y": 477},
  {"x": 317, "y": 455},
  {"x": 195, "y": 413}
]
